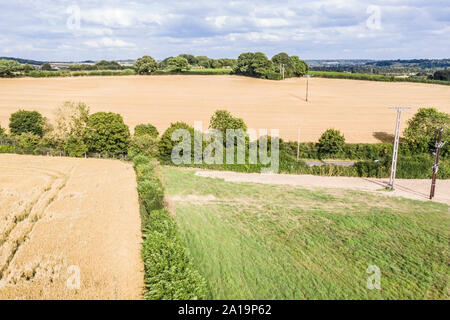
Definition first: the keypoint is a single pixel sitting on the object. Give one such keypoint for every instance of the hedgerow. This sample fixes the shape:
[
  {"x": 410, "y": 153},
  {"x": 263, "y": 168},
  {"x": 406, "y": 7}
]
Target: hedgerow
[{"x": 169, "y": 274}]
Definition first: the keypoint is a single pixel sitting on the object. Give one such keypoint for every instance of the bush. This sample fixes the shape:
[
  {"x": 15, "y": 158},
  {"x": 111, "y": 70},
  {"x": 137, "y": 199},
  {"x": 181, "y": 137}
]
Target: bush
[
  {"x": 423, "y": 129},
  {"x": 331, "y": 143},
  {"x": 24, "y": 121},
  {"x": 253, "y": 65},
  {"x": 2, "y": 132},
  {"x": 148, "y": 129},
  {"x": 75, "y": 147},
  {"x": 107, "y": 133},
  {"x": 168, "y": 273},
  {"x": 166, "y": 144},
  {"x": 145, "y": 65},
  {"x": 143, "y": 145},
  {"x": 26, "y": 143}
]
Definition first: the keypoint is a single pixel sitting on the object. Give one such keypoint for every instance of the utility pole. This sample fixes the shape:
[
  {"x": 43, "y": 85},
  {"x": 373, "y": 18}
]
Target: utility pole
[
  {"x": 307, "y": 87},
  {"x": 439, "y": 145},
  {"x": 396, "y": 143},
  {"x": 282, "y": 69}
]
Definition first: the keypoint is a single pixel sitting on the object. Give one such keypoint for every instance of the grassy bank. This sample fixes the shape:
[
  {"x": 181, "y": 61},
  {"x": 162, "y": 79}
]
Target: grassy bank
[
  {"x": 253, "y": 241},
  {"x": 372, "y": 77}
]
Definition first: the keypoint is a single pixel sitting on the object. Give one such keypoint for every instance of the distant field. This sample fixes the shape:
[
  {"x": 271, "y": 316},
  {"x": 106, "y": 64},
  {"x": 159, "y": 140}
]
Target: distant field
[
  {"x": 254, "y": 241},
  {"x": 60, "y": 215},
  {"x": 358, "y": 108}
]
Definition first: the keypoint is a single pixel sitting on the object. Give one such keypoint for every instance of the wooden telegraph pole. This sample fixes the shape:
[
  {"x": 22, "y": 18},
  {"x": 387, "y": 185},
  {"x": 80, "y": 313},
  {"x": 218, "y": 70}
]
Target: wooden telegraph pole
[
  {"x": 396, "y": 144},
  {"x": 439, "y": 145}
]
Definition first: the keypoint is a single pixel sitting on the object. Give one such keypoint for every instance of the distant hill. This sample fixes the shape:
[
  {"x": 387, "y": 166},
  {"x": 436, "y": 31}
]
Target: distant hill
[{"x": 24, "y": 61}]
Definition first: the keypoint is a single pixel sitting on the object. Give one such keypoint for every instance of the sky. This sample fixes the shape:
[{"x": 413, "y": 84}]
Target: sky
[{"x": 322, "y": 29}]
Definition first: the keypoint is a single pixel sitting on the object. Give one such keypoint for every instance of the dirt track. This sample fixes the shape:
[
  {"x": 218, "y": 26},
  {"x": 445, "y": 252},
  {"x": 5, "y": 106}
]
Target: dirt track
[
  {"x": 358, "y": 108},
  {"x": 61, "y": 216},
  {"x": 408, "y": 188}
]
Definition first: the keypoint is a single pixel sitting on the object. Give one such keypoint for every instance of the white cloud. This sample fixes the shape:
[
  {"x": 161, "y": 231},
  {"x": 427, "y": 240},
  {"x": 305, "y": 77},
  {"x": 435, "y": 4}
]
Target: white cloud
[{"x": 108, "y": 43}]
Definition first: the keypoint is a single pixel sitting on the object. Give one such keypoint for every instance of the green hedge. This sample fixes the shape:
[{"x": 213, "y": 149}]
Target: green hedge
[
  {"x": 169, "y": 275},
  {"x": 372, "y": 77}
]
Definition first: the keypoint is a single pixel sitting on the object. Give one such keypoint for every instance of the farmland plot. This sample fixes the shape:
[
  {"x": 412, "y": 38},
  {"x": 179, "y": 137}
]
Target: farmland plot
[{"x": 69, "y": 229}]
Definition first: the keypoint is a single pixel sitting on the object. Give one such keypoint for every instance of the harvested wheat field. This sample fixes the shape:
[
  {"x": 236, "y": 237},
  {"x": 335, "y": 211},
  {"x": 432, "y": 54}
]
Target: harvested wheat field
[
  {"x": 69, "y": 229},
  {"x": 358, "y": 108}
]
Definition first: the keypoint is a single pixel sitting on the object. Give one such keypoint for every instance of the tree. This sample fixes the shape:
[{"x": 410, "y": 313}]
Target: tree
[
  {"x": 284, "y": 59},
  {"x": 46, "y": 67},
  {"x": 300, "y": 67},
  {"x": 2, "y": 132},
  {"x": 178, "y": 64},
  {"x": 71, "y": 121},
  {"x": 166, "y": 144},
  {"x": 24, "y": 121},
  {"x": 331, "y": 142},
  {"x": 9, "y": 67},
  {"x": 144, "y": 144},
  {"x": 223, "y": 120},
  {"x": 192, "y": 60},
  {"x": 75, "y": 146},
  {"x": 146, "y": 129},
  {"x": 145, "y": 65},
  {"x": 107, "y": 133},
  {"x": 27, "y": 142},
  {"x": 443, "y": 75},
  {"x": 253, "y": 65},
  {"x": 108, "y": 65},
  {"x": 27, "y": 68},
  {"x": 422, "y": 131}
]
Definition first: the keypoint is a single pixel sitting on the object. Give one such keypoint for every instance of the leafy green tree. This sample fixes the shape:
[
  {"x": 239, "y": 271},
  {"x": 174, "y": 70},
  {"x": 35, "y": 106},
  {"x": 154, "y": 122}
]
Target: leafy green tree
[
  {"x": 192, "y": 60},
  {"x": 300, "y": 67},
  {"x": 27, "y": 68},
  {"x": 166, "y": 144},
  {"x": 253, "y": 65},
  {"x": 423, "y": 129},
  {"x": 2, "y": 132},
  {"x": 9, "y": 67},
  {"x": 27, "y": 142},
  {"x": 146, "y": 129},
  {"x": 443, "y": 75},
  {"x": 145, "y": 65},
  {"x": 46, "y": 67},
  {"x": 108, "y": 65},
  {"x": 75, "y": 146},
  {"x": 107, "y": 133},
  {"x": 331, "y": 143},
  {"x": 24, "y": 121},
  {"x": 284, "y": 59},
  {"x": 223, "y": 120},
  {"x": 178, "y": 64}
]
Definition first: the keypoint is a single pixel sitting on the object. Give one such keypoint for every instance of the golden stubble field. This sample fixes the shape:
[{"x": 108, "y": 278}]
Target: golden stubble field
[
  {"x": 358, "y": 108},
  {"x": 69, "y": 229}
]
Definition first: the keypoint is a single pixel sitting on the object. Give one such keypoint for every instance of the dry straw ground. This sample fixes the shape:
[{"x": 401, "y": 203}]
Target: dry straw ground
[
  {"x": 61, "y": 215},
  {"x": 358, "y": 108}
]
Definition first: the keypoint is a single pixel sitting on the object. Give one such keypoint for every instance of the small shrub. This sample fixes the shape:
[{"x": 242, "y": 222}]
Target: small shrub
[
  {"x": 75, "y": 147},
  {"x": 151, "y": 193},
  {"x": 141, "y": 159}
]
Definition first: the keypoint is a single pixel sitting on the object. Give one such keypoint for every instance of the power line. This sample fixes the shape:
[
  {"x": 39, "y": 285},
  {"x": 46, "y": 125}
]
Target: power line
[{"x": 396, "y": 144}]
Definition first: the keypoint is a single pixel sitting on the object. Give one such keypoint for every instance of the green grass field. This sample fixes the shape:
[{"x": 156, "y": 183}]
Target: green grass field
[{"x": 254, "y": 241}]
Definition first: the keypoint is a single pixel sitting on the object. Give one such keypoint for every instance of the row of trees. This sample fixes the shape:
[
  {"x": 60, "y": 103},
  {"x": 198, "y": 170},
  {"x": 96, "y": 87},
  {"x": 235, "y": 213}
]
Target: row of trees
[
  {"x": 258, "y": 65},
  {"x": 443, "y": 75},
  {"x": 10, "y": 68},
  {"x": 248, "y": 64},
  {"x": 102, "y": 65}
]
